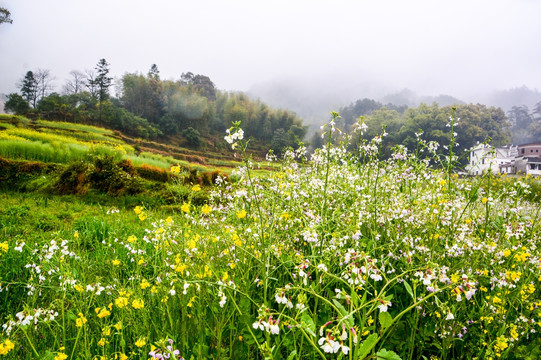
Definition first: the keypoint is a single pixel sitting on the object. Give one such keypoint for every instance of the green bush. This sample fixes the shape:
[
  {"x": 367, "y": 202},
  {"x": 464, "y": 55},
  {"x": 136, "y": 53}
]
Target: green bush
[{"x": 192, "y": 136}]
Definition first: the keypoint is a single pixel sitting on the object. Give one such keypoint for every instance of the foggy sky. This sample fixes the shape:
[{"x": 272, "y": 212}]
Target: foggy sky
[{"x": 461, "y": 48}]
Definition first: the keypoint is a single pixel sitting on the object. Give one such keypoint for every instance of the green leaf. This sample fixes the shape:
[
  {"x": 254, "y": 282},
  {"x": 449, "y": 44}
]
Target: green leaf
[
  {"x": 308, "y": 324},
  {"x": 292, "y": 355},
  {"x": 367, "y": 346},
  {"x": 408, "y": 289},
  {"x": 387, "y": 355},
  {"x": 344, "y": 313},
  {"x": 355, "y": 299},
  {"x": 385, "y": 319}
]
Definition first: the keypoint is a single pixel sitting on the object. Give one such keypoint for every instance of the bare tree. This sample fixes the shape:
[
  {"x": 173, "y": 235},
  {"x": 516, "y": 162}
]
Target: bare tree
[
  {"x": 90, "y": 83},
  {"x": 76, "y": 84},
  {"x": 43, "y": 82}
]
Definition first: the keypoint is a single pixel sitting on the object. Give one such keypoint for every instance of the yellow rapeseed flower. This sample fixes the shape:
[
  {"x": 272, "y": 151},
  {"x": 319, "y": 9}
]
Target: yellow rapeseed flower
[
  {"x": 81, "y": 320},
  {"x": 60, "y": 356},
  {"x": 175, "y": 169},
  {"x": 185, "y": 207},
  {"x": 196, "y": 188},
  {"x": 121, "y": 302},
  {"x": 103, "y": 312},
  {"x": 138, "y": 304},
  {"x": 501, "y": 344},
  {"x": 138, "y": 210},
  {"x": 132, "y": 238},
  {"x": 206, "y": 209},
  {"x": 115, "y": 262},
  {"x": 4, "y": 246},
  {"x": 142, "y": 216},
  {"x": 118, "y": 326},
  {"x": 6, "y": 347},
  {"x": 141, "y": 342},
  {"x": 241, "y": 214},
  {"x": 144, "y": 284}
]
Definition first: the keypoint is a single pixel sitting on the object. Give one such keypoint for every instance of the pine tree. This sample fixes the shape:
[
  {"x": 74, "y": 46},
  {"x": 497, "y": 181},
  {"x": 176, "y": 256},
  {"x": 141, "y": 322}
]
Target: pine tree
[
  {"x": 101, "y": 82},
  {"x": 29, "y": 88}
]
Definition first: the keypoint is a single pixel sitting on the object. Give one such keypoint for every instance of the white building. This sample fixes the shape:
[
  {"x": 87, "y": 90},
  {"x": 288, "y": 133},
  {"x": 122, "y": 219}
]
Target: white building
[{"x": 485, "y": 158}]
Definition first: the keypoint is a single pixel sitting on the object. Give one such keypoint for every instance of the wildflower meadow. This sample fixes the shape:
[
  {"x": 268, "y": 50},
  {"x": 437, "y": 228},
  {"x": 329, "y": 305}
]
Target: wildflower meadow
[{"x": 340, "y": 255}]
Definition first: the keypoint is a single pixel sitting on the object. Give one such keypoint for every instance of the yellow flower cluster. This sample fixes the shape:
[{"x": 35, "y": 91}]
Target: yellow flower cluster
[
  {"x": 81, "y": 320},
  {"x": 501, "y": 344},
  {"x": 6, "y": 347},
  {"x": 138, "y": 304},
  {"x": 141, "y": 342},
  {"x": 102, "y": 312},
  {"x": 60, "y": 356},
  {"x": 139, "y": 211},
  {"x": 206, "y": 209},
  {"x": 121, "y": 302},
  {"x": 185, "y": 207}
]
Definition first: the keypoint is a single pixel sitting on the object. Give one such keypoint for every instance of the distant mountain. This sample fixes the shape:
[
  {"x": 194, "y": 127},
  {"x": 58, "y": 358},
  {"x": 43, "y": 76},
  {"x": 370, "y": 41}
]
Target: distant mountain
[
  {"x": 519, "y": 96},
  {"x": 412, "y": 99}
]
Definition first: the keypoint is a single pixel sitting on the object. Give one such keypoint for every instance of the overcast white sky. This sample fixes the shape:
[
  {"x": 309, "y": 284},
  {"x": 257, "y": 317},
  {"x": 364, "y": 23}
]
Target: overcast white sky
[{"x": 452, "y": 47}]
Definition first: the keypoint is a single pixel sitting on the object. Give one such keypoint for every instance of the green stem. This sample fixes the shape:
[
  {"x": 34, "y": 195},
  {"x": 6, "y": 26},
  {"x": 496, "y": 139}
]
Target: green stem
[{"x": 30, "y": 342}]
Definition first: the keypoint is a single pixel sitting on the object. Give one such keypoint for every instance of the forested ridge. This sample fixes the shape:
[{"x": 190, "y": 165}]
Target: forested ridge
[
  {"x": 193, "y": 109},
  {"x": 149, "y": 107}
]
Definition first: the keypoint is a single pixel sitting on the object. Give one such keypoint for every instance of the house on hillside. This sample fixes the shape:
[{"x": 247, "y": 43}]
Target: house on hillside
[
  {"x": 485, "y": 158},
  {"x": 527, "y": 165},
  {"x": 528, "y": 160},
  {"x": 530, "y": 150}
]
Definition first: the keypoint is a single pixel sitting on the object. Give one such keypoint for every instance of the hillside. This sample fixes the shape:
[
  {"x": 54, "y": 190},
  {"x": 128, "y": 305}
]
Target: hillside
[{"x": 61, "y": 158}]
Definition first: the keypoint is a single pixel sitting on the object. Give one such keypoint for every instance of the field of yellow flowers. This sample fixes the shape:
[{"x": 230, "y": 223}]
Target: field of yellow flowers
[{"x": 344, "y": 256}]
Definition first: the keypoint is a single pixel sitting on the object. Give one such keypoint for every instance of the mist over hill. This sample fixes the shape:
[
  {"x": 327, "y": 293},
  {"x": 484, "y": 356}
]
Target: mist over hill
[{"x": 313, "y": 99}]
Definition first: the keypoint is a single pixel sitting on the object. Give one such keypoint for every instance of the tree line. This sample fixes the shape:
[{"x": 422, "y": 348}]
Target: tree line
[
  {"x": 525, "y": 123},
  {"x": 474, "y": 123},
  {"x": 149, "y": 107}
]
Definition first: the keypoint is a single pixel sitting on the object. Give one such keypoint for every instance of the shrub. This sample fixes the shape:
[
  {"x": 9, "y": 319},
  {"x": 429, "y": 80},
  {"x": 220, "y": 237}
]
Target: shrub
[
  {"x": 192, "y": 136},
  {"x": 74, "y": 179},
  {"x": 153, "y": 173},
  {"x": 108, "y": 176}
]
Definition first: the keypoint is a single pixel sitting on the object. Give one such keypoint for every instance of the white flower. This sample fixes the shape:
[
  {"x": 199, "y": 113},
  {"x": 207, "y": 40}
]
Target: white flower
[
  {"x": 258, "y": 325},
  {"x": 274, "y": 329},
  {"x": 328, "y": 345},
  {"x": 470, "y": 293},
  {"x": 223, "y": 298},
  {"x": 280, "y": 299},
  {"x": 384, "y": 306},
  {"x": 322, "y": 267},
  {"x": 376, "y": 277},
  {"x": 449, "y": 316}
]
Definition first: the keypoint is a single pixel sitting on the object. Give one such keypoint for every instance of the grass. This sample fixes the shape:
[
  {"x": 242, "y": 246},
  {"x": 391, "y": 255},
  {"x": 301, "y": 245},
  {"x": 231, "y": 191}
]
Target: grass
[
  {"x": 345, "y": 257},
  {"x": 64, "y": 143}
]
